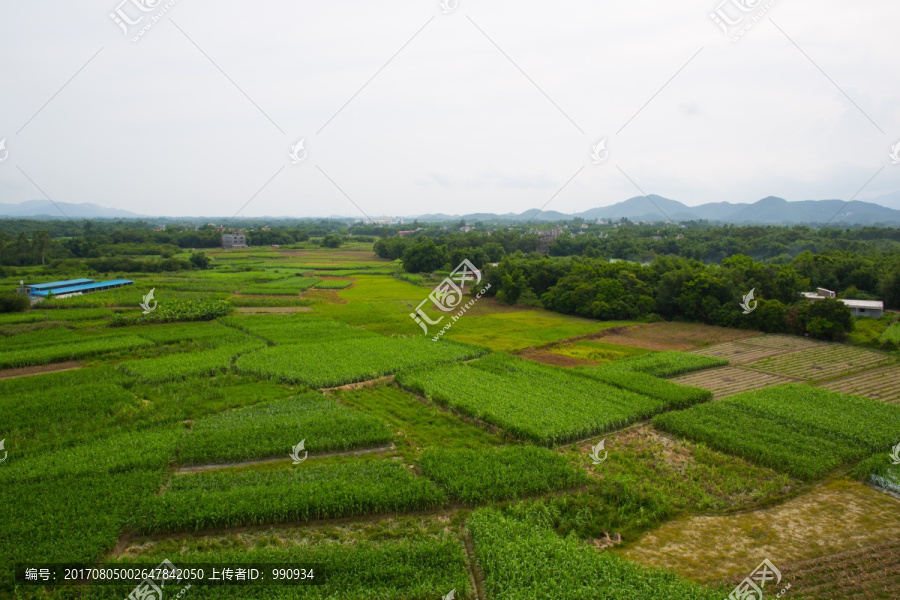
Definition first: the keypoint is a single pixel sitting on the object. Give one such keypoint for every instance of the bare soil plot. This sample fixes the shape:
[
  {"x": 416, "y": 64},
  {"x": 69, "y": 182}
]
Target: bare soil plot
[
  {"x": 674, "y": 336},
  {"x": 870, "y": 572},
  {"x": 880, "y": 384},
  {"x": 833, "y": 517},
  {"x": 824, "y": 362},
  {"x": 741, "y": 353},
  {"x": 725, "y": 381}
]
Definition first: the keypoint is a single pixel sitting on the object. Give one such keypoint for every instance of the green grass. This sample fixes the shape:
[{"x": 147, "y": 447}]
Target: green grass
[
  {"x": 477, "y": 476},
  {"x": 271, "y": 429},
  {"x": 798, "y": 429},
  {"x": 536, "y": 402},
  {"x": 317, "y": 365},
  {"x": 891, "y": 334},
  {"x": 326, "y": 489},
  {"x": 528, "y": 560},
  {"x": 282, "y": 287},
  {"x": 669, "y": 363}
]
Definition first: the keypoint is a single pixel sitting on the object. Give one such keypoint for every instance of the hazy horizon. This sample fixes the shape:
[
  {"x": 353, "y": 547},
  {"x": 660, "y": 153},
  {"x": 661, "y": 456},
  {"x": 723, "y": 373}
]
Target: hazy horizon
[{"x": 408, "y": 111}]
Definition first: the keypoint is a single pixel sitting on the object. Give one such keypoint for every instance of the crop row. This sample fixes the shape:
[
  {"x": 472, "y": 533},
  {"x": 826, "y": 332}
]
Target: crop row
[
  {"x": 295, "y": 329},
  {"x": 175, "y": 367},
  {"x": 330, "y": 364},
  {"x": 669, "y": 363},
  {"x": 409, "y": 567},
  {"x": 522, "y": 560},
  {"x": 798, "y": 429},
  {"x": 333, "y": 284},
  {"x": 823, "y": 362},
  {"x": 287, "y": 286},
  {"x": 544, "y": 404},
  {"x": 475, "y": 476},
  {"x": 305, "y": 492},
  {"x": 673, "y": 394},
  {"x": 71, "y": 350},
  {"x": 271, "y": 429}
]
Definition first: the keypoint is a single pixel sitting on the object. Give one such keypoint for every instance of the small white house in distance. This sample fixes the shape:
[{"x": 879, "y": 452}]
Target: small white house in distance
[
  {"x": 859, "y": 308},
  {"x": 866, "y": 308}
]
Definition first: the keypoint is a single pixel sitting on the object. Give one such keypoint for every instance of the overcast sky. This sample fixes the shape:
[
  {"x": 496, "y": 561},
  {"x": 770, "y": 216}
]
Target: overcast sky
[{"x": 492, "y": 106}]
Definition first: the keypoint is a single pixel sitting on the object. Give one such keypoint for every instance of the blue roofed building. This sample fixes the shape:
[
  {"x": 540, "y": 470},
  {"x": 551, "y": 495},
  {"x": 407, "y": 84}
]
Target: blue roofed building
[{"x": 72, "y": 287}]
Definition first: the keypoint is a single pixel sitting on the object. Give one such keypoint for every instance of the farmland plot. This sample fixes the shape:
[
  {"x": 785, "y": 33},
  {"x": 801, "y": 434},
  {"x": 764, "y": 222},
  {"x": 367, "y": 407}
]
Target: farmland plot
[
  {"x": 296, "y": 329},
  {"x": 788, "y": 343},
  {"x": 669, "y": 364},
  {"x": 544, "y": 404},
  {"x": 475, "y": 476},
  {"x": 673, "y": 394},
  {"x": 741, "y": 353},
  {"x": 411, "y": 566},
  {"x": 525, "y": 560},
  {"x": 799, "y": 429},
  {"x": 725, "y": 381},
  {"x": 823, "y": 362},
  {"x": 871, "y": 572},
  {"x": 332, "y": 364},
  {"x": 271, "y": 429},
  {"x": 289, "y": 286},
  {"x": 174, "y": 367},
  {"x": 71, "y": 350},
  {"x": 310, "y": 491},
  {"x": 880, "y": 384}
]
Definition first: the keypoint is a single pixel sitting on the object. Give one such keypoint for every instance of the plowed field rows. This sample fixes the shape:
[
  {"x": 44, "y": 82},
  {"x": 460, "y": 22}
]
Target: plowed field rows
[
  {"x": 725, "y": 381},
  {"x": 824, "y": 362},
  {"x": 871, "y": 572},
  {"x": 881, "y": 384}
]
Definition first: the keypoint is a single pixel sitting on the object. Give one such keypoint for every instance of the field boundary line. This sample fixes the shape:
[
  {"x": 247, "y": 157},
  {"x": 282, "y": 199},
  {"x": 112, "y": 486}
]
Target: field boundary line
[
  {"x": 475, "y": 572},
  {"x": 19, "y": 372},
  {"x": 266, "y": 461}
]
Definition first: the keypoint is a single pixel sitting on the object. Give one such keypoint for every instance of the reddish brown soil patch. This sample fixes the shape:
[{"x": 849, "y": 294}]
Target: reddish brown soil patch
[
  {"x": 40, "y": 370},
  {"x": 672, "y": 336},
  {"x": 868, "y": 572},
  {"x": 557, "y": 360}
]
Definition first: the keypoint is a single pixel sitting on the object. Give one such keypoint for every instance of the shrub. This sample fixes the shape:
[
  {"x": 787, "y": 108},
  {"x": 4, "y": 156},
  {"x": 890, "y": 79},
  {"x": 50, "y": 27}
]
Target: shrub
[{"x": 12, "y": 302}]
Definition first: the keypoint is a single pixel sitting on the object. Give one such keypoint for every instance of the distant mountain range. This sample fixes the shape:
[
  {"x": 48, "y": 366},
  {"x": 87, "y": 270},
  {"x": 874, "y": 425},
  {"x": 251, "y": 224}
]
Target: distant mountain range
[
  {"x": 768, "y": 211},
  {"x": 653, "y": 208},
  {"x": 44, "y": 209}
]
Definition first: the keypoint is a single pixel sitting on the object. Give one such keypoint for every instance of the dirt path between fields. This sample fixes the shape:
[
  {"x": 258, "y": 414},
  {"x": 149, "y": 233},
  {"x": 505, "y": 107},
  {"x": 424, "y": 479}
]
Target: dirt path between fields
[{"x": 71, "y": 365}]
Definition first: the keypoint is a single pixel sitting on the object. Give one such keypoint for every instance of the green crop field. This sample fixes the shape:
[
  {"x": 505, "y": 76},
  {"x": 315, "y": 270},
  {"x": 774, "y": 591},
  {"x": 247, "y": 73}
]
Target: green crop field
[
  {"x": 802, "y": 430},
  {"x": 546, "y": 405},
  {"x": 361, "y": 359},
  {"x": 271, "y": 429},
  {"x": 426, "y": 467}
]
